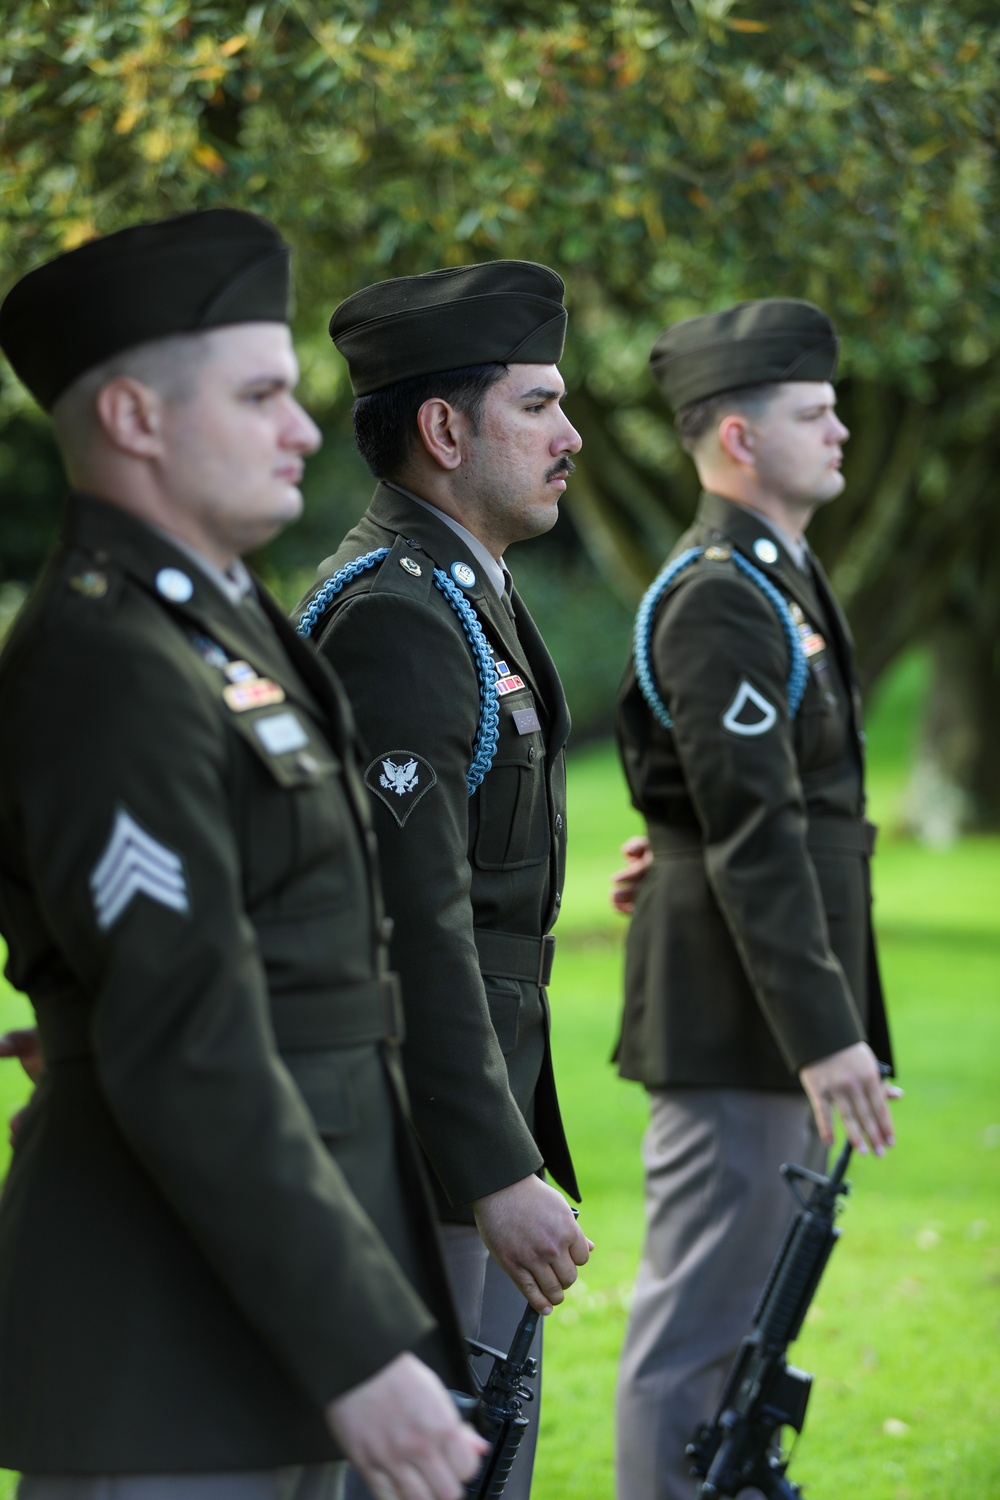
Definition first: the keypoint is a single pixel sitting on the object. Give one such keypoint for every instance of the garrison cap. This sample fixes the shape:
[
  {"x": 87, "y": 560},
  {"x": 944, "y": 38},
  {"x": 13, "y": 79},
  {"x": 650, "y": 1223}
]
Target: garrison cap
[
  {"x": 501, "y": 312},
  {"x": 183, "y": 275},
  {"x": 753, "y": 343}
]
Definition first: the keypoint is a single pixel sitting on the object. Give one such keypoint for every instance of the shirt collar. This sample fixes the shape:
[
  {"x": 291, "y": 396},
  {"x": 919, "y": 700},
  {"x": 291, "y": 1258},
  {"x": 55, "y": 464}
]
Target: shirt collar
[
  {"x": 234, "y": 582},
  {"x": 493, "y": 569},
  {"x": 796, "y": 547}
]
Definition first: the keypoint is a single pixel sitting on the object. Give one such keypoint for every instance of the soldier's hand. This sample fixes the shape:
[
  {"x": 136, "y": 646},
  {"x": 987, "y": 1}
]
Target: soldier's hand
[
  {"x": 850, "y": 1082},
  {"x": 25, "y": 1045},
  {"x": 402, "y": 1430},
  {"x": 625, "y": 883},
  {"x": 531, "y": 1231}
]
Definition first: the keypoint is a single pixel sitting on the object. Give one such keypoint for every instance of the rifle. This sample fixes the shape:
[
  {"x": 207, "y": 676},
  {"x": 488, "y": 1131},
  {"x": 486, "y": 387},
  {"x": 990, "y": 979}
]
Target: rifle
[
  {"x": 741, "y": 1447},
  {"x": 496, "y": 1408}
]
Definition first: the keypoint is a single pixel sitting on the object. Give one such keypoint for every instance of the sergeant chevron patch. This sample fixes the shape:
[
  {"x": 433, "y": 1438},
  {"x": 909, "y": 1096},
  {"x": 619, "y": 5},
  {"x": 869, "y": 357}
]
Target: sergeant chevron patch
[{"x": 134, "y": 863}]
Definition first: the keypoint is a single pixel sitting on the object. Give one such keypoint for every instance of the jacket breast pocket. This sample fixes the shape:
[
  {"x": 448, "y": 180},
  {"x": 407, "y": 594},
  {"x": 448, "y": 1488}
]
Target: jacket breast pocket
[
  {"x": 513, "y": 810},
  {"x": 821, "y": 727}
]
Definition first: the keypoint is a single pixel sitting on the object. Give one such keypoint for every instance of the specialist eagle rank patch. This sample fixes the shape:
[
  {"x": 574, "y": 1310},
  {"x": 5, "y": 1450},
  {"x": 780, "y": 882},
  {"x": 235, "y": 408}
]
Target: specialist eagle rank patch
[{"x": 399, "y": 778}]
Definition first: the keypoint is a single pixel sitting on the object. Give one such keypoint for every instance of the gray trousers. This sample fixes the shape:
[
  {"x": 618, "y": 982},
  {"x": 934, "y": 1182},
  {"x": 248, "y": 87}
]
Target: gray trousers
[
  {"x": 312, "y": 1482},
  {"x": 716, "y": 1211},
  {"x": 489, "y": 1308}
]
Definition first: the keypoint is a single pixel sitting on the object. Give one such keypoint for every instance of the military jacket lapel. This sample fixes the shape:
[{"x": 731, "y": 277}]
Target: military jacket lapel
[
  {"x": 543, "y": 672},
  {"x": 393, "y": 511},
  {"x": 255, "y": 632},
  {"x": 809, "y": 590}
]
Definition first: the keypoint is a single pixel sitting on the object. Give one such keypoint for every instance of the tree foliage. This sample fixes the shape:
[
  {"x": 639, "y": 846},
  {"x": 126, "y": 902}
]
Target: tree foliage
[{"x": 665, "y": 157}]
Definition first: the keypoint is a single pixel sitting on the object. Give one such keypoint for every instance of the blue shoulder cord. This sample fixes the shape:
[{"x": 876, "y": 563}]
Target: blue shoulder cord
[
  {"x": 642, "y": 639},
  {"x": 488, "y": 732}
]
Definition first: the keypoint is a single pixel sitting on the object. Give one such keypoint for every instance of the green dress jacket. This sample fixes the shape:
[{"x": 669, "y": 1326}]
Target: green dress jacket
[
  {"x": 750, "y": 952},
  {"x": 473, "y": 884},
  {"x": 214, "y": 1222}
]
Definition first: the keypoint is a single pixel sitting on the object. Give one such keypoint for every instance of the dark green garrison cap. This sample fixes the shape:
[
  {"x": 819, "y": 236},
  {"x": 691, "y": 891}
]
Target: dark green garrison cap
[
  {"x": 753, "y": 343},
  {"x": 507, "y": 312},
  {"x": 183, "y": 275}
]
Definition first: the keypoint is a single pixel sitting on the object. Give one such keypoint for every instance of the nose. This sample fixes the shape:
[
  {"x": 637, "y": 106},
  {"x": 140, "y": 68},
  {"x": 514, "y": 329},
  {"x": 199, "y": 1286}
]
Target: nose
[
  {"x": 840, "y": 432},
  {"x": 301, "y": 433},
  {"x": 567, "y": 440}
]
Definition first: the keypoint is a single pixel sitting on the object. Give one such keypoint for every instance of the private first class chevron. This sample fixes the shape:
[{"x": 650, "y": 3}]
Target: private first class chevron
[{"x": 134, "y": 863}]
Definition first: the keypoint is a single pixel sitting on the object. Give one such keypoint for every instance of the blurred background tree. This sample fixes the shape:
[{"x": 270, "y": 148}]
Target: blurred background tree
[{"x": 667, "y": 158}]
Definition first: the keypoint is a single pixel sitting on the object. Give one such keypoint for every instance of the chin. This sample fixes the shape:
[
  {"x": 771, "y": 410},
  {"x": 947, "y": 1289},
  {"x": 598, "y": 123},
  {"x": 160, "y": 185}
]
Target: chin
[
  {"x": 545, "y": 518},
  {"x": 830, "y": 491}
]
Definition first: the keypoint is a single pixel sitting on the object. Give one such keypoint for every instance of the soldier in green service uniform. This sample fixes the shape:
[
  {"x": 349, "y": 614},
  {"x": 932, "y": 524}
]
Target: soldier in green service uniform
[
  {"x": 750, "y": 972},
  {"x": 218, "y": 1271},
  {"x": 458, "y": 414}
]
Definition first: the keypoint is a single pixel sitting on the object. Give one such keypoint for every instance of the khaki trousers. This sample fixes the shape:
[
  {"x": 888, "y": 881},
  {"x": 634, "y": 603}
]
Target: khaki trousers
[
  {"x": 312, "y": 1482},
  {"x": 716, "y": 1212}
]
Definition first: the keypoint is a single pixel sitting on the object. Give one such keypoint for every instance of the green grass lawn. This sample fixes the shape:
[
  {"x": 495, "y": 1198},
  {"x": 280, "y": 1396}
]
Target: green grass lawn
[{"x": 903, "y": 1337}]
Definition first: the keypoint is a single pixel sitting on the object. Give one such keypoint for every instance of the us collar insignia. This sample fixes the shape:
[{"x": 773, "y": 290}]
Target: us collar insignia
[
  {"x": 765, "y": 550},
  {"x": 174, "y": 584},
  {"x": 239, "y": 671}
]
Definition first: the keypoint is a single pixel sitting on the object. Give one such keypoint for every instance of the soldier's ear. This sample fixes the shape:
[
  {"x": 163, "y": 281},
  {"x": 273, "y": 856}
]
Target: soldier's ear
[
  {"x": 737, "y": 439},
  {"x": 130, "y": 415},
  {"x": 441, "y": 427}
]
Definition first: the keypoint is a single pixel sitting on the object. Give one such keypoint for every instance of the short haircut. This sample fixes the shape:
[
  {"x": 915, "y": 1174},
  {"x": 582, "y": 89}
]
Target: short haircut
[
  {"x": 169, "y": 366},
  {"x": 385, "y": 422},
  {"x": 693, "y": 421}
]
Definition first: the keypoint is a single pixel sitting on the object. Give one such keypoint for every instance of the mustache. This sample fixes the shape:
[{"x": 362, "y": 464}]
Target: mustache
[{"x": 564, "y": 465}]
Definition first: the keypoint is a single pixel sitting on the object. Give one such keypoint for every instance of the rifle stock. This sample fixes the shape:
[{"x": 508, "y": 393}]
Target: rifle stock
[{"x": 741, "y": 1447}]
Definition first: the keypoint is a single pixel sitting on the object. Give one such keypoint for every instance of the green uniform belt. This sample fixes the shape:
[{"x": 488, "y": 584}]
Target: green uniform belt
[
  {"x": 509, "y": 955},
  {"x": 354, "y": 1015},
  {"x": 842, "y": 835}
]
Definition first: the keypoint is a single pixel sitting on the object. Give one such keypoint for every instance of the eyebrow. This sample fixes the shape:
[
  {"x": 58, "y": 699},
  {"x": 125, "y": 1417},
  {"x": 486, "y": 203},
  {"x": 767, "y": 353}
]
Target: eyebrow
[
  {"x": 542, "y": 392},
  {"x": 269, "y": 378}
]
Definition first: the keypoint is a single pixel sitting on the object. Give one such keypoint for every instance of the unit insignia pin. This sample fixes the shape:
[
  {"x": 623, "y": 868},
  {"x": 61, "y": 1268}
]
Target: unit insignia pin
[
  {"x": 174, "y": 585},
  {"x": 718, "y": 554},
  {"x": 409, "y": 566},
  {"x": 765, "y": 550},
  {"x": 463, "y": 574},
  {"x": 92, "y": 585},
  {"x": 239, "y": 671},
  {"x": 209, "y": 651}
]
